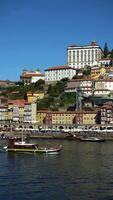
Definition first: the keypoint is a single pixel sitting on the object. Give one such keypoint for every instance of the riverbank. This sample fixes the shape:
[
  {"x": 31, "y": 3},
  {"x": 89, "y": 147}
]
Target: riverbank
[{"x": 51, "y": 135}]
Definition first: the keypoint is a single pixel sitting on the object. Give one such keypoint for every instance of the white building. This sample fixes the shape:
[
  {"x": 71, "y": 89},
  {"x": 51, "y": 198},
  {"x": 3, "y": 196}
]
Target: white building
[
  {"x": 104, "y": 84},
  {"x": 85, "y": 85},
  {"x": 3, "y": 113},
  {"x": 81, "y": 56},
  {"x": 59, "y": 72},
  {"x": 105, "y": 61},
  {"x": 100, "y": 87},
  {"x": 29, "y": 77}
]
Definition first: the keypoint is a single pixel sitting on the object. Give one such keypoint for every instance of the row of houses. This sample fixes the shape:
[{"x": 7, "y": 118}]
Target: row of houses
[
  {"x": 21, "y": 111},
  {"x": 18, "y": 111}
]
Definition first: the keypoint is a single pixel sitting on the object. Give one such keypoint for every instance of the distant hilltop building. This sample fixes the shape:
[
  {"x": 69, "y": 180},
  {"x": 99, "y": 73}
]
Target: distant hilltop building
[
  {"x": 29, "y": 77},
  {"x": 80, "y": 56},
  {"x": 5, "y": 83},
  {"x": 57, "y": 73}
]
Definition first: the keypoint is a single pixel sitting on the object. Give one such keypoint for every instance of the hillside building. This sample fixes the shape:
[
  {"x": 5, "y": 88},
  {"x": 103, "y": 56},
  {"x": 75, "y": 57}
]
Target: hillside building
[
  {"x": 57, "y": 73},
  {"x": 29, "y": 77},
  {"x": 80, "y": 56}
]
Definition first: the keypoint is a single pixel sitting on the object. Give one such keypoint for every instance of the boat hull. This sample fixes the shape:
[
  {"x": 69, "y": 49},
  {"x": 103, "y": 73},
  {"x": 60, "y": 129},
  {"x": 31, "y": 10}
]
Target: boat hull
[
  {"x": 41, "y": 151},
  {"x": 90, "y": 139}
]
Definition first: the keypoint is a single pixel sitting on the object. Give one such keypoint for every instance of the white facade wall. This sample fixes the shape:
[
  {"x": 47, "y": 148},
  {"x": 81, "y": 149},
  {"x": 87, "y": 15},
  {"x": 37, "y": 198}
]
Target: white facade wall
[
  {"x": 27, "y": 113},
  {"x": 105, "y": 62},
  {"x": 34, "y": 112},
  {"x": 105, "y": 84},
  {"x": 101, "y": 92},
  {"x": 3, "y": 114},
  {"x": 34, "y": 79},
  {"x": 79, "y": 57},
  {"x": 58, "y": 74}
]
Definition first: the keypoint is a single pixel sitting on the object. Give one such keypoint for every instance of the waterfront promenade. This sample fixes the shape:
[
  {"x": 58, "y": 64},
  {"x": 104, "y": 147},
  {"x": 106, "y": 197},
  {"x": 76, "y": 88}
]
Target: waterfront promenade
[{"x": 108, "y": 135}]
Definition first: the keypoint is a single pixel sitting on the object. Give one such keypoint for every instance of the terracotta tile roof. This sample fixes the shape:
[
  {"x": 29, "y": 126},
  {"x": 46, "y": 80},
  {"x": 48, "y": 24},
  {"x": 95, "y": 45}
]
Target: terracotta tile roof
[
  {"x": 30, "y": 75},
  {"x": 59, "y": 68},
  {"x": 18, "y": 102},
  {"x": 94, "y": 43},
  {"x": 82, "y": 79}
]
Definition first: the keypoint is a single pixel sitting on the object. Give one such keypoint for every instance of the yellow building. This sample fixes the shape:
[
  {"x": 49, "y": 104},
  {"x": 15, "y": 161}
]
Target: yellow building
[
  {"x": 41, "y": 114},
  {"x": 66, "y": 118},
  {"x": 96, "y": 72},
  {"x": 16, "y": 110},
  {"x": 89, "y": 117},
  {"x": 31, "y": 97},
  {"x": 63, "y": 117}
]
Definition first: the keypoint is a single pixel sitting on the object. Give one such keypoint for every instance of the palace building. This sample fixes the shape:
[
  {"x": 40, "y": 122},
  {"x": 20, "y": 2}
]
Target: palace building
[{"x": 80, "y": 56}]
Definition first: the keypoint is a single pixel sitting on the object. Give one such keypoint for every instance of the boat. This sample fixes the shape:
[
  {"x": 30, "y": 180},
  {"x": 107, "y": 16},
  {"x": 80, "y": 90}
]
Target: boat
[
  {"x": 90, "y": 139},
  {"x": 23, "y": 147}
]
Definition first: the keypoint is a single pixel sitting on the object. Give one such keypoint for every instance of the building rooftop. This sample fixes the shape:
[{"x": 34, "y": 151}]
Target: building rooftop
[
  {"x": 18, "y": 102},
  {"x": 59, "y": 68}
]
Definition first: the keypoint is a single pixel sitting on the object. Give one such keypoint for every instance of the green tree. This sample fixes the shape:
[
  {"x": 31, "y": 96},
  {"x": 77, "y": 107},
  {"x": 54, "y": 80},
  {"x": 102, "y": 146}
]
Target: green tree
[
  {"x": 87, "y": 71},
  {"x": 106, "y": 51},
  {"x": 111, "y": 54}
]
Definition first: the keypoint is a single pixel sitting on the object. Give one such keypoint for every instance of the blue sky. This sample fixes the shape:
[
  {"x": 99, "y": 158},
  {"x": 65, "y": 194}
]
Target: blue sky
[{"x": 36, "y": 33}]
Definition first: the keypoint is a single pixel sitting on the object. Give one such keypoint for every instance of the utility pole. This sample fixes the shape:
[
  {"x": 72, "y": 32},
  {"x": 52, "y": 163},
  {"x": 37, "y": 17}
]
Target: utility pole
[{"x": 78, "y": 99}]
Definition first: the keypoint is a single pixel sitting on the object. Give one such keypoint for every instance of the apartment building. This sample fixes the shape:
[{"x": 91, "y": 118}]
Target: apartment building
[
  {"x": 80, "y": 56},
  {"x": 107, "y": 113},
  {"x": 104, "y": 84},
  {"x": 3, "y": 113},
  {"x": 21, "y": 111},
  {"x": 105, "y": 62},
  {"x": 57, "y": 73},
  {"x": 84, "y": 84},
  {"x": 16, "y": 110},
  {"x": 66, "y": 117},
  {"x": 33, "y": 96}
]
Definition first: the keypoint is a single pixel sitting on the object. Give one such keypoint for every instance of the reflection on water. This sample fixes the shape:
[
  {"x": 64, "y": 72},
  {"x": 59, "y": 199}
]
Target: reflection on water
[{"x": 82, "y": 171}]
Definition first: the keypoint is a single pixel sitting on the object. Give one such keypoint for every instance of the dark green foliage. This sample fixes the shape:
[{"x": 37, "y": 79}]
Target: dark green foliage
[
  {"x": 87, "y": 71},
  {"x": 57, "y": 89},
  {"x": 111, "y": 54},
  {"x": 56, "y": 98},
  {"x": 67, "y": 99},
  {"x": 106, "y": 51},
  {"x": 23, "y": 89}
]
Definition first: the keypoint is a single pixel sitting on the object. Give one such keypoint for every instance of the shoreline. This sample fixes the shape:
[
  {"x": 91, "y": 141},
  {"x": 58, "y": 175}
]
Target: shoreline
[{"x": 60, "y": 136}]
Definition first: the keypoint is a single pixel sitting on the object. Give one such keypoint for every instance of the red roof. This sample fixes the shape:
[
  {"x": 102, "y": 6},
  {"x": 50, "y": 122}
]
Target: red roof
[
  {"x": 30, "y": 75},
  {"x": 82, "y": 79},
  {"x": 93, "y": 43},
  {"x": 59, "y": 68},
  {"x": 18, "y": 102}
]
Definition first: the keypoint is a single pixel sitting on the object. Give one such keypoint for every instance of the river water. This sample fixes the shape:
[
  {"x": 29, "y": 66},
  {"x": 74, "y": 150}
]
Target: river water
[{"x": 83, "y": 171}]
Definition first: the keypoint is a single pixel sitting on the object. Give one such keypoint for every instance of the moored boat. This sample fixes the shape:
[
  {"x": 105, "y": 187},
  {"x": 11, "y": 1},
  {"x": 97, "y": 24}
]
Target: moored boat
[
  {"x": 90, "y": 139},
  {"x": 24, "y": 147}
]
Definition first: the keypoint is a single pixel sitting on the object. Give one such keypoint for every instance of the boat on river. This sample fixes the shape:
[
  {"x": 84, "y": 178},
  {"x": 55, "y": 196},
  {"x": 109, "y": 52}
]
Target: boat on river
[
  {"x": 90, "y": 139},
  {"x": 23, "y": 147}
]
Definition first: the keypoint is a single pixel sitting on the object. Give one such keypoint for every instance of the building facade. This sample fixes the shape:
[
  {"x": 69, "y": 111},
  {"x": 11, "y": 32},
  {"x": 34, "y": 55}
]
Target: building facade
[
  {"x": 105, "y": 62},
  {"x": 80, "y": 56},
  {"x": 107, "y": 113},
  {"x": 57, "y": 73},
  {"x": 85, "y": 85},
  {"x": 66, "y": 117},
  {"x": 29, "y": 77}
]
